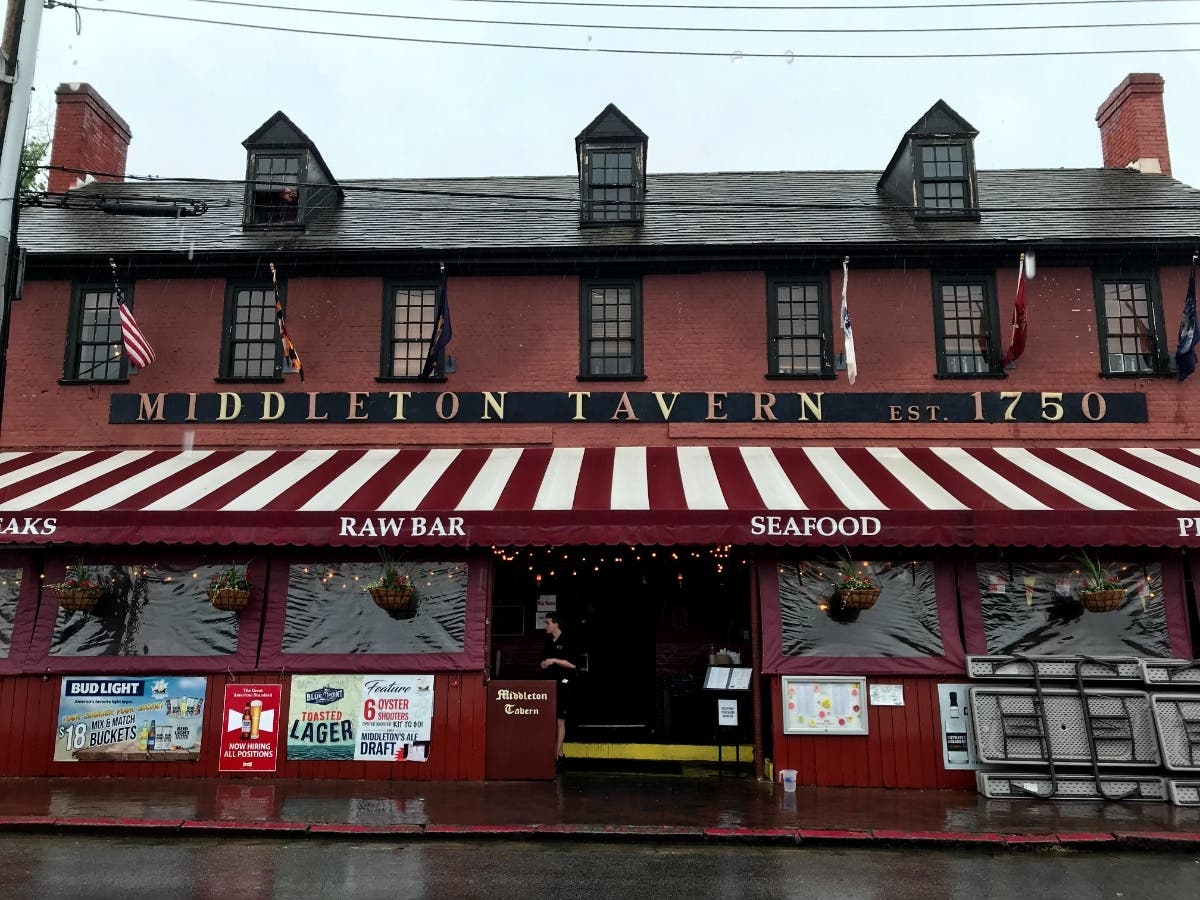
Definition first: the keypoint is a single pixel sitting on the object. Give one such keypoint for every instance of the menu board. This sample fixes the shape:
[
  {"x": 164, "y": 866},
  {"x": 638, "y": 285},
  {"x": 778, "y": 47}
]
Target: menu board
[{"x": 832, "y": 705}]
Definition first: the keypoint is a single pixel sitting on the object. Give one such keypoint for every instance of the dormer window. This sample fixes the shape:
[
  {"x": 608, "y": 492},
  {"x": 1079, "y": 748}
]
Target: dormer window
[
  {"x": 612, "y": 170},
  {"x": 933, "y": 169},
  {"x": 275, "y": 189},
  {"x": 287, "y": 182},
  {"x": 944, "y": 185}
]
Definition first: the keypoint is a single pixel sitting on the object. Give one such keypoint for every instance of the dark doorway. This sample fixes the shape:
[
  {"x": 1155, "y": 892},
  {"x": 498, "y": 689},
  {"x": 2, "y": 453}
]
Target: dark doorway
[{"x": 642, "y": 621}]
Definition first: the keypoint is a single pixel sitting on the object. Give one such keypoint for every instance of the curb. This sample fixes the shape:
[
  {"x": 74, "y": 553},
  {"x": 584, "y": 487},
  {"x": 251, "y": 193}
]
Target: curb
[{"x": 1141, "y": 841}]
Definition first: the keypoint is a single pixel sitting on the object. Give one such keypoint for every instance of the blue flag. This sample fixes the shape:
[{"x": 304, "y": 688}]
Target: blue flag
[
  {"x": 441, "y": 333},
  {"x": 1185, "y": 356}
]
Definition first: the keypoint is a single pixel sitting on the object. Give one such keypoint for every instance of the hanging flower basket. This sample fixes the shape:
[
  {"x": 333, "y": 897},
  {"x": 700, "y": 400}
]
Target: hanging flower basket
[
  {"x": 1102, "y": 601},
  {"x": 77, "y": 599},
  {"x": 230, "y": 590},
  {"x": 229, "y": 599},
  {"x": 80, "y": 589},
  {"x": 858, "y": 598},
  {"x": 400, "y": 601}
]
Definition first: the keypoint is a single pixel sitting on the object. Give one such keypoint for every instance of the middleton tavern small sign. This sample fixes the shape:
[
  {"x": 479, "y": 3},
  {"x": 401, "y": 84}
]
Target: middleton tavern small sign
[{"x": 430, "y": 407}]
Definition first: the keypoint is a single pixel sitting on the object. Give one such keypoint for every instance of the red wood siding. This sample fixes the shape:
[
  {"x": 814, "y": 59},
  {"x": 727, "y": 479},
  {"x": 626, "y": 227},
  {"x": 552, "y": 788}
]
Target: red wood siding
[
  {"x": 901, "y": 749},
  {"x": 29, "y": 711}
]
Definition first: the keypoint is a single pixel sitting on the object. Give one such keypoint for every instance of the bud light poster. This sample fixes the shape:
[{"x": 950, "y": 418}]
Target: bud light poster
[
  {"x": 361, "y": 717},
  {"x": 250, "y": 727},
  {"x": 136, "y": 718}
]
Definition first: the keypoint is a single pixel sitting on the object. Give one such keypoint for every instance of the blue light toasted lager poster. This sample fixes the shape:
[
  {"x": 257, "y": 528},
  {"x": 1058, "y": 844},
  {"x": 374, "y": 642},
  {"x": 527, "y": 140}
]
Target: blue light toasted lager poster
[
  {"x": 132, "y": 718},
  {"x": 385, "y": 718}
]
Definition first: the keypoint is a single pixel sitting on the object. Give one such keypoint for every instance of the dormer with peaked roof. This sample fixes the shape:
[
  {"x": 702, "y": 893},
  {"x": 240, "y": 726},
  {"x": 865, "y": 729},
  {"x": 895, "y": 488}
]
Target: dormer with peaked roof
[
  {"x": 611, "y": 153},
  {"x": 933, "y": 169},
  {"x": 287, "y": 181}
]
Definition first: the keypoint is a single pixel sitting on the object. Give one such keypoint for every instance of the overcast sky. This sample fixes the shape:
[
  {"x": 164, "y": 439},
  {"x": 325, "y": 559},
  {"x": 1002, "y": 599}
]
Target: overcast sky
[{"x": 192, "y": 92}]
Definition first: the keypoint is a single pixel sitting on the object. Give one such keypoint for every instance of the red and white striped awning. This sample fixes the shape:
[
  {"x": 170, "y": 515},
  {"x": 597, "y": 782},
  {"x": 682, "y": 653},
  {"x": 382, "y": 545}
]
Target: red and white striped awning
[{"x": 637, "y": 495}]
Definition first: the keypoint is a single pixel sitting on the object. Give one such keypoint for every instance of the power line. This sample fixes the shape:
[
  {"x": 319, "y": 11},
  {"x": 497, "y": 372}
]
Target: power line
[
  {"x": 97, "y": 188},
  {"x": 722, "y": 54},
  {"x": 940, "y": 29},
  {"x": 981, "y": 4}
]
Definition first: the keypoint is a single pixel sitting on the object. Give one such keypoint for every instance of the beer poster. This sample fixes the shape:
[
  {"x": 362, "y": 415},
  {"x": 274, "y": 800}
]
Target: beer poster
[
  {"x": 383, "y": 718},
  {"x": 250, "y": 732},
  {"x": 130, "y": 718}
]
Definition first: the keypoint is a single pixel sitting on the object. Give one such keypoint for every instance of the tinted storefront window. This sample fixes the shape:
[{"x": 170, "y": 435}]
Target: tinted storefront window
[
  {"x": 1034, "y": 608},
  {"x": 902, "y": 623},
  {"x": 10, "y": 592},
  {"x": 148, "y": 611},
  {"x": 330, "y": 611}
]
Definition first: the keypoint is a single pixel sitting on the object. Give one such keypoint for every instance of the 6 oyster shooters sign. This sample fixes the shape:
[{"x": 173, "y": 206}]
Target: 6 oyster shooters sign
[{"x": 650, "y": 407}]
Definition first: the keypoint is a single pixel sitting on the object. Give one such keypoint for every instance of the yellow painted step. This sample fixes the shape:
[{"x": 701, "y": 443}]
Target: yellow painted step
[{"x": 665, "y": 752}]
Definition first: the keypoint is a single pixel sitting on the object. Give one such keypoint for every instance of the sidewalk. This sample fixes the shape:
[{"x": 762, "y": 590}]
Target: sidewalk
[{"x": 590, "y": 806}]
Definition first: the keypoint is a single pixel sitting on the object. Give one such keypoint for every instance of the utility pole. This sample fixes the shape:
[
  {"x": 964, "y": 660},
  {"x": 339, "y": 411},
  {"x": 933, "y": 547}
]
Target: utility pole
[{"x": 22, "y": 23}]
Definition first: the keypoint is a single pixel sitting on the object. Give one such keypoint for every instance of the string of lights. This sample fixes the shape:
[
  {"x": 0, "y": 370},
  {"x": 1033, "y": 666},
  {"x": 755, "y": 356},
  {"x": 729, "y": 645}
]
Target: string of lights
[
  {"x": 596, "y": 26},
  {"x": 786, "y": 55}
]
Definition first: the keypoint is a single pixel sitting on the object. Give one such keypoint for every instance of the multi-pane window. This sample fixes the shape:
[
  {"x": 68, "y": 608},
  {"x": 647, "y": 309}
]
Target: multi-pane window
[
  {"x": 611, "y": 326},
  {"x": 275, "y": 189},
  {"x": 610, "y": 186},
  {"x": 409, "y": 313},
  {"x": 799, "y": 328},
  {"x": 1131, "y": 340},
  {"x": 94, "y": 346},
  {"x": 943, "y": 184},
  {"x": 965, "y": 321},
  {"x": 251, "y": 349}
]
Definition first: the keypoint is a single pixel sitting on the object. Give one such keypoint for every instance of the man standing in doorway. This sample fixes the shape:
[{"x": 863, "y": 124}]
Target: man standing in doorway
[{"x": 556, "y": 658}]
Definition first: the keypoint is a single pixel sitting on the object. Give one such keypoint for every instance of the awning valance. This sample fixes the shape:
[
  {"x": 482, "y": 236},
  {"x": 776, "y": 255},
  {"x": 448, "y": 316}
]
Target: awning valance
[{"x": 885, "y": 496}]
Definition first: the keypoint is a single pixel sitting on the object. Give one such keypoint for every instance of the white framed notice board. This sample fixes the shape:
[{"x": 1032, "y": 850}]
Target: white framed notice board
[{"x": 829, "y": 705}]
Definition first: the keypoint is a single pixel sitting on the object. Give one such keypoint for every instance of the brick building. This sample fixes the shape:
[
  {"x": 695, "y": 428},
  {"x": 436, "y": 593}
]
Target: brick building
[{"x": 643, "y": 418}]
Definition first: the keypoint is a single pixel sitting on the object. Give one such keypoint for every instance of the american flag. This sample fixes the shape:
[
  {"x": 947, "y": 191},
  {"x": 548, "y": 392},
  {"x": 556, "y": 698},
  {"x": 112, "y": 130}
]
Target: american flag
[{"x": 137, "y": 348}]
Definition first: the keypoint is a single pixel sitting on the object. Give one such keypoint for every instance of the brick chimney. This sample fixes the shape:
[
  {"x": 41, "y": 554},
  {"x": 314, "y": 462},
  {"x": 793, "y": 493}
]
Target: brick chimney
[
  {"x": 88, "y": 134},
  {"x": 1133, "y": 126}
]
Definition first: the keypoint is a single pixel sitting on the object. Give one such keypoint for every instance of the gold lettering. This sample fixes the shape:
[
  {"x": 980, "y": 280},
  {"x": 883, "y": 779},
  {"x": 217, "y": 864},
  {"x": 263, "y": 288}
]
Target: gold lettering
[
  {"x": 439, "y": 405},
  {"x": 714, "y": 406},
  {"x": 490, "y": 404},
  {"x": 579, "y": 396},
  {"x": 191, "y": 413},
  {"x": 399, "y": 397},
  {"x": 357, "y": 400},
  {"x": 272, "y": 406},
  {"x": 312, "y": 409},
  {"x": 893, "y": 413},
  {"x": 624, "y": 406},
  {"x": 914, "y": 413},
  {"x": 762, "y": 407},
  {"x": 150, "y": 411},
  {"x": 808, "y": 406},
  {"x": 231, "y": 406},
  {"x": 933, "y": 412},
  {"x": 664, "y": 406}
]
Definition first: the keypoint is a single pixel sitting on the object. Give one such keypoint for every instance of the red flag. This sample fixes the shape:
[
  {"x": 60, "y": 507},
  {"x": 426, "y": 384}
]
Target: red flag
[
  {"x": 137, "y": 348},
  {"x": 1020, "y": 326}
]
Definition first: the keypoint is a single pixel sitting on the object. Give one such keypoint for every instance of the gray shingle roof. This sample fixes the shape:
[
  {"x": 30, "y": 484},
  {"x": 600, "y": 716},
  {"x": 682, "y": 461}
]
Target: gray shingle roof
[{"x": 727, "y": 209}]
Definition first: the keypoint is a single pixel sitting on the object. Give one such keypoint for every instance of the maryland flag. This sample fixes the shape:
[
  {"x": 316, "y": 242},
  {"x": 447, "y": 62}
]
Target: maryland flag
[
  {"x": 434, "y": 363},
  {"x": 291, "y": 357}
]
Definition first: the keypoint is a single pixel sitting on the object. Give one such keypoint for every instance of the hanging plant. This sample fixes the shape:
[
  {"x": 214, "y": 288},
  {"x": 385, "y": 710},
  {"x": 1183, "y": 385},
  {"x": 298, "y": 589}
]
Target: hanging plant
[
  {"x": 80, "y": 589},
  {"x": 1101, "y": 592},
  {"x": 855, "y": 588},
  {"x": 229, "y": 591},
  {"x": 393, "y": 591}
]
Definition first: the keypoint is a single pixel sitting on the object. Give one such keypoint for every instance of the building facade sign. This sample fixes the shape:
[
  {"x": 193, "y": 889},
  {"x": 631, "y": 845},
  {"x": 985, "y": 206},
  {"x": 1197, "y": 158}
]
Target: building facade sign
[{"x": 646, "y": 407}]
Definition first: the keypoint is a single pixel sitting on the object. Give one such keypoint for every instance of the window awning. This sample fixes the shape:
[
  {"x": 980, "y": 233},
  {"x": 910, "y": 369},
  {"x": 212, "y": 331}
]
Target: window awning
[{"x": 873, "y": 496}]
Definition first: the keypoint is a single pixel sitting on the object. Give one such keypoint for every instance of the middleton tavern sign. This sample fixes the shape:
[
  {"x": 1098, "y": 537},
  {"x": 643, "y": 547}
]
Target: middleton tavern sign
[{"x": 424, "y": 407}]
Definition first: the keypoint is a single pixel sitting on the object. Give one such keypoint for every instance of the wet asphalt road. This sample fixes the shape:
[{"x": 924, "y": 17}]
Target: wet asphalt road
[{"x": 64, "y": 867}]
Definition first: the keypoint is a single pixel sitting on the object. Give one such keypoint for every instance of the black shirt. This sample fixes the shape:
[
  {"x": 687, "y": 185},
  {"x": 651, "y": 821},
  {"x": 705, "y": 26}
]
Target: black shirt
[{"x": 557, "y": 648}]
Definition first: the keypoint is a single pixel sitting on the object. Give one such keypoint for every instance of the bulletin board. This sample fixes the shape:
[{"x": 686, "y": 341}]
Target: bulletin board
[{"x": 829, "y": 705}]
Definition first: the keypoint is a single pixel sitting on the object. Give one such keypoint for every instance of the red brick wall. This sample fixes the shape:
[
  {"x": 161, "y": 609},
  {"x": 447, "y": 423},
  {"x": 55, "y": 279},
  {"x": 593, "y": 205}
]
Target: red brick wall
[
  {"x": 702, "y": 332},
  {"x": 1133, "y": 124},
  {"x": 88, "y": 135}
]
